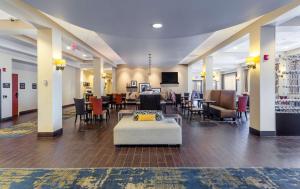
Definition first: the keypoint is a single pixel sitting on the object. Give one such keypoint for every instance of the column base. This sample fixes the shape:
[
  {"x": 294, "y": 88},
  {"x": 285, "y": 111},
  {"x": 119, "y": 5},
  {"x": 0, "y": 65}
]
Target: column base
[
  {"x": 261, "y": 133},
  {"x": 56, "y": 133}
]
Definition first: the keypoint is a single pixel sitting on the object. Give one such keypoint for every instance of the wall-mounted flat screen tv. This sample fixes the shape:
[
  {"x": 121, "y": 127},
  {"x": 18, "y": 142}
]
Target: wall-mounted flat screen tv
[{"x": 169, "y": 78}]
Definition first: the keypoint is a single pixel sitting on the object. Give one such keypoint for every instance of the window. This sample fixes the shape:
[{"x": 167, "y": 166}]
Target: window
[{"x": 229, "y": 81}]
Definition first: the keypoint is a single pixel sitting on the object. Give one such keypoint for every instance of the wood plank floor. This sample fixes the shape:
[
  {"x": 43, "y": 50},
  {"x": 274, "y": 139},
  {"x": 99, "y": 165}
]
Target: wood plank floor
[{"x": 204, "y": 145}]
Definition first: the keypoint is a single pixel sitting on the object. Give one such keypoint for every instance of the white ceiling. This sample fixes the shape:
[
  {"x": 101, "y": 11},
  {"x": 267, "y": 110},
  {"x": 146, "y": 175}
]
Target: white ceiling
[
  {"x": 287, "y": 38},
  {"x": 126, "y": 25},
  {"x": 91, "y": 38},
  {"x": 4, "y": 15}
]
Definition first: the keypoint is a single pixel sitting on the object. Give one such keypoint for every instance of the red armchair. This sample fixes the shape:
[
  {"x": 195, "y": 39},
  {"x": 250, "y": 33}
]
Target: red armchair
[{"x": 242, "y": 106}]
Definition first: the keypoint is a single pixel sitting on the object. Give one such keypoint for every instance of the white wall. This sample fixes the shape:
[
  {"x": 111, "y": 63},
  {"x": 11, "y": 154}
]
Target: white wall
[
  {"x": 229, "y": 81},
  {"x": 6, "y": 103},
  {"x": 70, "y": 85},
  {"x": 26, "y": 74},
  {"x": 125, "y": 74}
]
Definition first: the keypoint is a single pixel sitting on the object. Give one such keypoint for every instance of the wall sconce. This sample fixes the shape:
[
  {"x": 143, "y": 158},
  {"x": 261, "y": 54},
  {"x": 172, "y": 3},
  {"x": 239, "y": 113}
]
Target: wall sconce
[
  {"x": 60, "y": 64},
  {"x": 104, "y": 75},
  {"x": 203, "y": 74},
  {"x": 252, "y": 61},
  {"x": 237, "y": 78}
]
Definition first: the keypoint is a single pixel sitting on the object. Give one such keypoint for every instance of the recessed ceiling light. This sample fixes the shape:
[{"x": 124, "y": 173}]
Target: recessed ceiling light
[
  {"x": 84, "y": 55},
  {"x": 157, "y": 25},
  {"x": 68, "y": 47},
  {"x": 235, "y": 48}
]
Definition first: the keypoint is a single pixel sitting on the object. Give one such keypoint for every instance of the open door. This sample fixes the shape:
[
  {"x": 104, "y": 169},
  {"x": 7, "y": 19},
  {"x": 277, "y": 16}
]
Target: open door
[{"x": 15, "y": 95}]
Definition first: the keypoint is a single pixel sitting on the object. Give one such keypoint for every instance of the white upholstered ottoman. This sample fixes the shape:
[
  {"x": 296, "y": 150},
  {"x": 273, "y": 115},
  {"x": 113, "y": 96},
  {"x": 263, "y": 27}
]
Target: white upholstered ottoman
[{"x": 130, "y": 132}]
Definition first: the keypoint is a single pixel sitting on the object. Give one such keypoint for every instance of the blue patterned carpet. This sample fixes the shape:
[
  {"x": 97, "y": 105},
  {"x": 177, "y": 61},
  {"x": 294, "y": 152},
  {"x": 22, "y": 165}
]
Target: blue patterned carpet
[{"x": 138, "y": 178}]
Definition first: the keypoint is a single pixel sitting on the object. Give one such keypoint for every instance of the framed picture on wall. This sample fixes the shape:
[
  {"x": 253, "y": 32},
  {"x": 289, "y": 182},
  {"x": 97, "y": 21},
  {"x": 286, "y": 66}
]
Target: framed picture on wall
[
  {"x": 133, "y": 83},
  {"x": 6, "y": 85},
  {"x": 22, "y": 85},
  {"x": 144, "y": 87},
  {"x": 34, "y": 86},
  {"x": 156, "y": 90}
]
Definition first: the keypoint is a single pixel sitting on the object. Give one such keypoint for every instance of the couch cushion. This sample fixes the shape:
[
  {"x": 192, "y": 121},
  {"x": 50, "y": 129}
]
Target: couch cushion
[
  {"x": 223, "y": 112},
  {"x": 227, "y": 99},
  {"x": 215, "y": 96}
]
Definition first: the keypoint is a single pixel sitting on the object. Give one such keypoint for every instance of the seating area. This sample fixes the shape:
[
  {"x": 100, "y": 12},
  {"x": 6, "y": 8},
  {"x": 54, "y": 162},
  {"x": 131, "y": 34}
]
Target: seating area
[{"x": 99, "y": 94}]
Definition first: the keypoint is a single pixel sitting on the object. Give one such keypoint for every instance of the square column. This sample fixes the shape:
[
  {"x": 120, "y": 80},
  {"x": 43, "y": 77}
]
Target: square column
[
  {"x": 79, "y": 83},
  {"x": 98, "y": 80},
  {"x": 241, "y": 80},
  {"x": 114, "y": 80},
  {"x": 262, "y": 82},
  {"x": 208, "y": 69},
  {"x": 49, "y": 47}
]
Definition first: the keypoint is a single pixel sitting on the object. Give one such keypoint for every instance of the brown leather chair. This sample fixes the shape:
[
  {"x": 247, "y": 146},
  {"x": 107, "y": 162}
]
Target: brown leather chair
[{"x": 224, "y": 107}]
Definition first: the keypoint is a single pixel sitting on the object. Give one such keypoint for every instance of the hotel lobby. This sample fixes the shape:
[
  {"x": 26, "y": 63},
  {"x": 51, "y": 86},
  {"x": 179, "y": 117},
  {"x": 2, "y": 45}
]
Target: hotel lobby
[{"x": 149, "y": 94}]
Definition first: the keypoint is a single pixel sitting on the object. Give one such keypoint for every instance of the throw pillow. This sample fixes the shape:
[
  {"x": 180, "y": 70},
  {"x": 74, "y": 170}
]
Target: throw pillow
[
  {"x": 158, "y": 114},
  {"x": 146, "y": 117}
]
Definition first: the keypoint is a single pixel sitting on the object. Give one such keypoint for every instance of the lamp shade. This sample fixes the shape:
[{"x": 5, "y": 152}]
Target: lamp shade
[
  {"x": 252, "y": 61},
  {"x": 59, "y": 63}
]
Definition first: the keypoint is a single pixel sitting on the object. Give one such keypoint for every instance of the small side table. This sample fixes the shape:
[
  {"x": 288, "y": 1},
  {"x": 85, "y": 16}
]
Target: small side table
[
  {"x": 121, "y": 113},
  {"x": 208, "y": 102}
]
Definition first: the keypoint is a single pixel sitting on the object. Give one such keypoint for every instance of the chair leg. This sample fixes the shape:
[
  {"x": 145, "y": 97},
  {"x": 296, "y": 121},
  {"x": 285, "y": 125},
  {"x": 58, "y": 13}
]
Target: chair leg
[
  {"x": 76, "y": 118},
  {"x": 108, "y": 113},
  {"x": 246, "y": 115}
]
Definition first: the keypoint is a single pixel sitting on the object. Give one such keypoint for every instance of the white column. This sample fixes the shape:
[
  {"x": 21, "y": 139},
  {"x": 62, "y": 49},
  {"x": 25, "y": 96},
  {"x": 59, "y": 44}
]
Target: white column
[
  {"x": 208, "y": 68},
  {"x": 217, "y": 79},
  {"x": 241, "y": 80},
  {"x": 6, "y": 93},
  {"x": 190, "y": 79},
  {"x": 98, "y": 80},
  {"x": 79, "y": 91},
  {"x": 262, "y": 82},
  {"x": 114, "y": 80},
  {"x": 49, "y": 47}
]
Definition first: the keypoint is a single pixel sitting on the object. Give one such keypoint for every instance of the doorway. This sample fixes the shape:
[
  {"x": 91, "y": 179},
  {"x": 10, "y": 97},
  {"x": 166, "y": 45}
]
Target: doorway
[
  {"x": 198, "y": 86},
  {"x": 15, "y": 95}
]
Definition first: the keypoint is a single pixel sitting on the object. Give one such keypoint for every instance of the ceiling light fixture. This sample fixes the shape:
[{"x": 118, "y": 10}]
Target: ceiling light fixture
[
  {"x": 157, "y": 25},
  {"x": 84, "y": 55},
  {"x": 68, "y": 48}
]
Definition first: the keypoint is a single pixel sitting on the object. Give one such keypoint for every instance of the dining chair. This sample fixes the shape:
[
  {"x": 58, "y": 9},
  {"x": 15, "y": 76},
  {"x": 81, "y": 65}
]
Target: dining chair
[
  {"x": 193, "y": 110},
  {"x": 89, "y": 106},
  {"x": 118, "y": 101},
  {"x": 98, "y": 109},
  {"x": 79, "y": 108},
  {"x": 186, "y": 96},
  {"x": 105, "y": 104},
  {"x": 178, "y": 99},
  {"x": 242, "y": 106}
]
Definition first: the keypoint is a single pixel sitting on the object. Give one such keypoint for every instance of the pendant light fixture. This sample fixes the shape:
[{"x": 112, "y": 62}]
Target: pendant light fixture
[{"x": 149, "y": 65}]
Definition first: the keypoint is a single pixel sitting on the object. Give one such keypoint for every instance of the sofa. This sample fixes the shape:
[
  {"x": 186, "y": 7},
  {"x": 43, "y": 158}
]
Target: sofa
[
  {"x": 225, "y": 105},
  {"x": 131, "y": 132}
]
